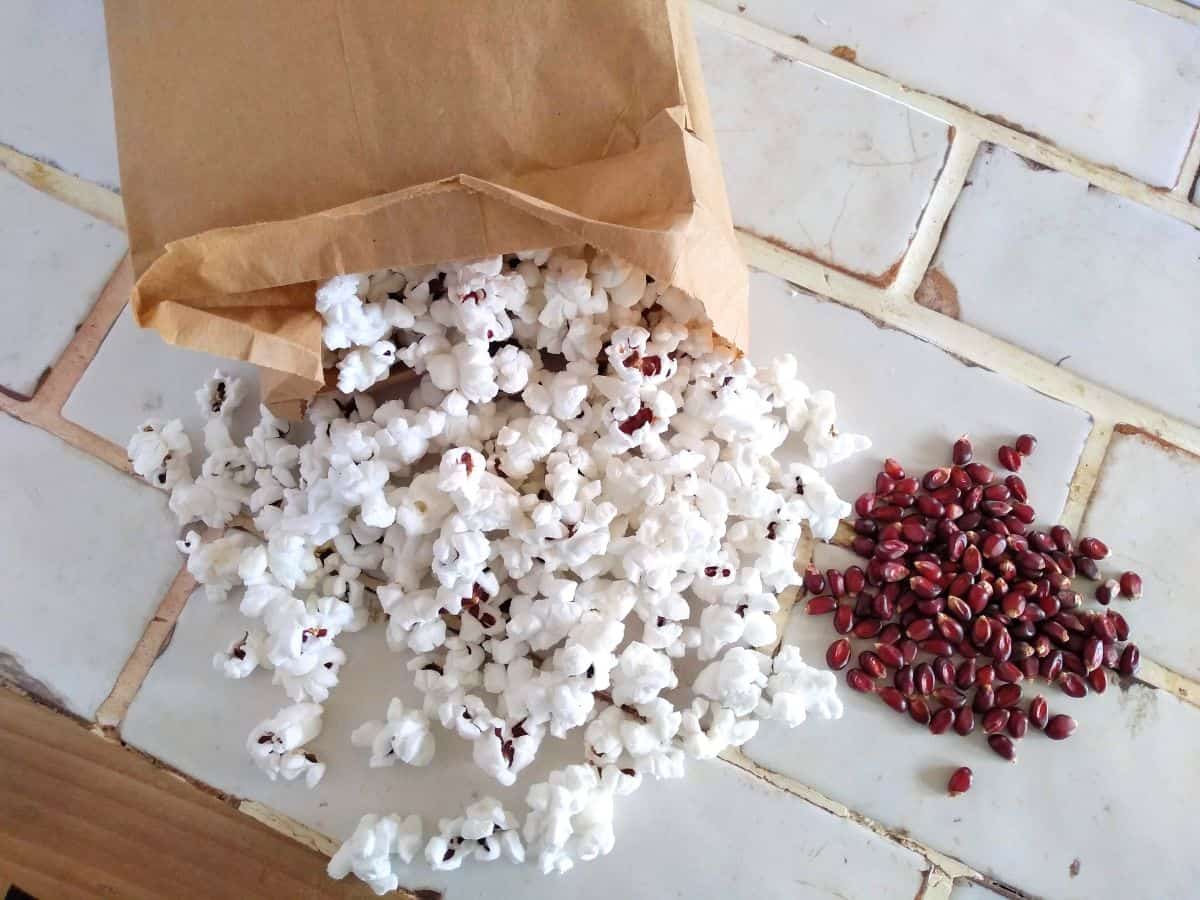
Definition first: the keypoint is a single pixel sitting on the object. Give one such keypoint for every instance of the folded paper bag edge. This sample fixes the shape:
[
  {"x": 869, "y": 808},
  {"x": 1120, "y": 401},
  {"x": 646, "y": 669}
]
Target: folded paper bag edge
[{"x": 195, "y": 291}]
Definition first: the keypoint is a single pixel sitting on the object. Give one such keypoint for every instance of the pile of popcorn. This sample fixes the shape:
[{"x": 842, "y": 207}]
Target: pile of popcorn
[{"x": 579, "y": 491}]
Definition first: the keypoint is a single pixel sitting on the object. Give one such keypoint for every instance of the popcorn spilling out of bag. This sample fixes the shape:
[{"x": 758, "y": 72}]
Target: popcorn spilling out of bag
[{"x": 578, "y": 491}]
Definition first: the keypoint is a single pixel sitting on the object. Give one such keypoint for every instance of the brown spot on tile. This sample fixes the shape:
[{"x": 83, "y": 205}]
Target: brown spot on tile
[
  {"x": 430, "y": 893},
  {"x": 1074, "y": 867},
  {"x": 14, "y": 674},
  {"x": 801, "y": 38},
  {"x": 1161, "y": 443},
  {"x": 841, "y": 51},
  {"x": 937, "y": 292}
]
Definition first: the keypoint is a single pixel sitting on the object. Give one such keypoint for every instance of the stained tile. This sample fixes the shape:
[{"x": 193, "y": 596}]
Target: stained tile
[
  {"x": 1100, "y": 285},
  {"x": 1060, "y": 823},
  {"x": 912, "y": 399},
  {"x": 55, "y": 99},
  {"x": 136, "y": 375},
  {"x": 1072, "y": 72},
  {"x": 1145, "y": 509},
  {"x": 718, "y": 832},
  {"x": 87, "y": 555},
  {"x": 816, "y": 163},
  {"x": 55, "y": 261}
]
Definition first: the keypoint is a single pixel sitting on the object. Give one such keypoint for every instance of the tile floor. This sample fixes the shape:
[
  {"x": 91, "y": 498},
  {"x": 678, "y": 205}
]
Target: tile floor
[{"x": 829, "y": 163}]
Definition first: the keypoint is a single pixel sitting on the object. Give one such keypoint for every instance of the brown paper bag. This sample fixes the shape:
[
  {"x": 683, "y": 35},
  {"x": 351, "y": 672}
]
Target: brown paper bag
[{"x": 268, "y": 144}]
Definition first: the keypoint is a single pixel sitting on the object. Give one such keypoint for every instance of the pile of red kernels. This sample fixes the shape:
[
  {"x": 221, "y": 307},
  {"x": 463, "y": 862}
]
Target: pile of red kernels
[{"x": 966, "y": 603}]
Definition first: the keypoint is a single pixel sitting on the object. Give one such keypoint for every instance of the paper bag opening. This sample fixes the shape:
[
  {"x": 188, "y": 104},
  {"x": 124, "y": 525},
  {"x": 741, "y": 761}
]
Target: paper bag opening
[{"x": 220, "y": 271}]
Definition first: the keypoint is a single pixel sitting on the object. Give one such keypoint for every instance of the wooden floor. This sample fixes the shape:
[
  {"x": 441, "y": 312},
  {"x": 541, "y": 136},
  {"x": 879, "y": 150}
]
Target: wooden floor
[{"x": 82, "y": 817}]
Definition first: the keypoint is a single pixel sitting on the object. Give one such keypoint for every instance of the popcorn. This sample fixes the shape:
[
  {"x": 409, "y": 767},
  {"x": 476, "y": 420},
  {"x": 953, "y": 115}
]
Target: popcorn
[
  {"x": 579, "y": 488},
  {"x": 571, "y": 816},
  {"x": 159, "y": 451},
  {"x": 243, "y": 656},
  {"x": 485, "y": 832},
  {"x": 369, "y": 852},
  {"x": 215, "y": 564},
  {"x": 405, "y": 736},
  {"x": 277, "y": 744}
]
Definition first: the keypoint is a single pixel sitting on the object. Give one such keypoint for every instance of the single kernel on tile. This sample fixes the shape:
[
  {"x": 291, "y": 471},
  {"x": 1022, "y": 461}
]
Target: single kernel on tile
[
  {"x": 960, "y": 781},
  {"x": 1025, "y": 444},
  {"x": 1131, "y": 585},
  {"x": 1060, "y": 727}
]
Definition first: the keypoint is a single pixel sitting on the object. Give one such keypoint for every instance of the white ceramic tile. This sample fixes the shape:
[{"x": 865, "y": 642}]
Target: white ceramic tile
[
  {"x": 970, "y": 890},
  {"x": 55, "y": 261},
  {"x": 1075, "y": 274},
  {"x": 55, "y": 99},
  {"x": 816, "y": 163},
  {"x": 1075, "y": 71},
  {"x": 86, "y": 555},
  {"x": 1118, "y": 796},
  {"x": 1145, "y": 509},
  {"x": 912, "y": 399},
  {"x": 716, "y": 833},
  {"x": 137, "y": 375}
]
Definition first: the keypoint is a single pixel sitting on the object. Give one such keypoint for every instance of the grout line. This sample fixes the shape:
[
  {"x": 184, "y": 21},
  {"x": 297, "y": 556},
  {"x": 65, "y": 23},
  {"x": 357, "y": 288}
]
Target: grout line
[
  {"x": 963, "y": 118},
  {"x": 1176, "y": 8},
  {"x": 1164, "y": 679},
  {"x": 1087, "y": 473},
  {"x": 66, "y": 371},
  {"x": 150, "y": 646},
  {"x": 289, "y": 827},
  {"x": 967, "y": 342},
  {"x": 96, "y": 201},
  {"x": 946, "y": 189},
  {"x": 953, "y": 868},
  {"x": 1190, "y": 168},
  {"x": 78, "y": 437}
]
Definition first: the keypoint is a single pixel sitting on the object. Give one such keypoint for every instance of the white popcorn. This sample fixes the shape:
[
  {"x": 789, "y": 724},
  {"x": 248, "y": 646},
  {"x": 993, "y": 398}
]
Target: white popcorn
[
  {"x": 277, "y": 744},
  {"x": 243, "y": 656},
  {"x": 485, "y": 832},
  {"x": 641, "y": 673},
  {"x": 369, "y": 852},
  {"x": 363, "y": 366},
  {"x": 577, "y": 490},
  {"x": 571, "y": 817},
  {"x": 795, "y": 688},
  {"x": 215, "y": 564},
  {"x": 405, "y": 737},
  {"x": 159, "y": 452}
]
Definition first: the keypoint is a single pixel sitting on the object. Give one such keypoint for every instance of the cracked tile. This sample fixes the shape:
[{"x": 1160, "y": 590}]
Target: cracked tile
[
  {"x": 1145, "y": 509},
  {"x": 55, "y": 99},
  {"x": 911, "y": 398},
  {"x": 126, "y": 384},
  {"x": 87, "y": 556},
  {"x": 56, "y": 260},
  {"x": 673, "y": 838},
  {"x": 815, "y": 163},
  {"x": 1133, "y": 757},
  {"x": 1069, "y": 72},
  {"x": 1099, "y": 284}
]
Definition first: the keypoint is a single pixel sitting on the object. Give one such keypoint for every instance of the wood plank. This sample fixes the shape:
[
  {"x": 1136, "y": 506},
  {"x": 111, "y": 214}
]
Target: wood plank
[{"x": 84, "y": 817}]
